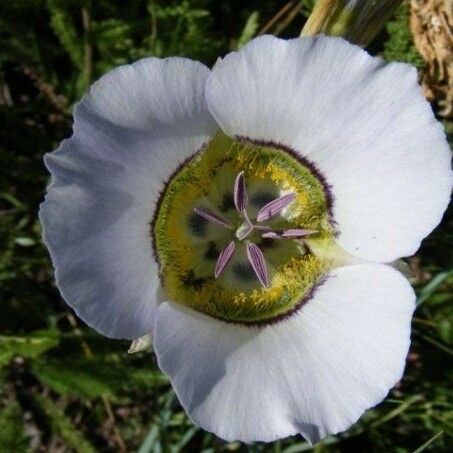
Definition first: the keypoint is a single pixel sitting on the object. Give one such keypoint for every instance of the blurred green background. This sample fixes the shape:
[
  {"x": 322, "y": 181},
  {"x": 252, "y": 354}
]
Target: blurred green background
[{"x": 62, "y": 386}]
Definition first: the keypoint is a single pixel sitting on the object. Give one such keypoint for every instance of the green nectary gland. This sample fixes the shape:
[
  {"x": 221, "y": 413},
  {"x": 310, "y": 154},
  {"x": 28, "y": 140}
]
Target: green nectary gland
[{"x": 187, "y": 246}]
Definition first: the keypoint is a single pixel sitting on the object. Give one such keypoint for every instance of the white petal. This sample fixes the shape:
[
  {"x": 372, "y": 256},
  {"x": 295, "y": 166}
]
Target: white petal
[
  {"x": 364, "y": 124},
  {"x": 313, "y": 373},
  {"x": 132, "y": 130}
]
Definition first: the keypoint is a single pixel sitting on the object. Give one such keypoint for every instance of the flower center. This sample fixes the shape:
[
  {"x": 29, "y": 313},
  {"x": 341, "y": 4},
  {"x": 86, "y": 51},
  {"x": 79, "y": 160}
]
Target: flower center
[
  {"x": 234, "y": 228},
  {"x": 254, "y": 254}
]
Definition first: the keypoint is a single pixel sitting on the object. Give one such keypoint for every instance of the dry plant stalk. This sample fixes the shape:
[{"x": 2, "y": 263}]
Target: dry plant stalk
[
  {"x": 358, "y": 21},
  {"x": 431, "y": 23}
]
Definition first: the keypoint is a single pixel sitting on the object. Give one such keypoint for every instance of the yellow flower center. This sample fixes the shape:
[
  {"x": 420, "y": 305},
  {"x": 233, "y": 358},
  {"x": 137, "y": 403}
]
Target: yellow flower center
[{"x": 272, "y": 268}]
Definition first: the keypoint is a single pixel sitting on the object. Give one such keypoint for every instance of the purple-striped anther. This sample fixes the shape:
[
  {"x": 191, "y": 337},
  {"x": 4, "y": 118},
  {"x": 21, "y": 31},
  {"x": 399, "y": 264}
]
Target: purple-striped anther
[
  {"x": 258, "y": 263},
  {"x": 291, "y": 233},
  {"x": 211, "y": 217},
  {"x": 240, "y": 193},
  {"x": 248, "y": 228},
  {"x": 274, "y": 207},
  {"x": 224, "y": 258}
]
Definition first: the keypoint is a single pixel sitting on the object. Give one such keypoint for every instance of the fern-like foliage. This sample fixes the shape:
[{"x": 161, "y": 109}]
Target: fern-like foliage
[
  {"x": 12, "y": 434},
  {"x": 400, "y": 45}
]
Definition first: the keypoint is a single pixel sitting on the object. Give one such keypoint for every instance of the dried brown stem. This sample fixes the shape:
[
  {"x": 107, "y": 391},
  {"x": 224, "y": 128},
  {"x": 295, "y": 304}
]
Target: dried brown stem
[
  {"x": 276, "y": 18},
  {"x": 431, "y": 22},
  {"x": 87, "y": 45}
]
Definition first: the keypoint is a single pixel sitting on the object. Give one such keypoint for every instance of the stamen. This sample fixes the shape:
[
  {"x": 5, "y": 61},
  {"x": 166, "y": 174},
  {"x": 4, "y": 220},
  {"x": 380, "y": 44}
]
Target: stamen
[
  {"x": 258, "y": 263},
  {"x": 291, "y": 233},
  {"x": 274, "y": 207},
  {"x": 240, "y": 193},
  {"x": 224, "y": 258},
  {"x": 211, "y": 217},
  {"x": 254, "y": 254}
]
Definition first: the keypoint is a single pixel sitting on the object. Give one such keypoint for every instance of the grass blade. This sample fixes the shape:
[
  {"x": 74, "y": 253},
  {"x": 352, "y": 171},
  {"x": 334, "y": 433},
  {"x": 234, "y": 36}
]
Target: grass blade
[
  {"x": 430, "y": 288},
  {"x": 427, "y": 443}
]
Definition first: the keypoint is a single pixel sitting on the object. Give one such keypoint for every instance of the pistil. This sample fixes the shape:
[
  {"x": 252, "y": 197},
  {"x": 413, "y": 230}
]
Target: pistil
[
  {"x": 245, "y": 230},
  {"x": 254, "y": 255}
]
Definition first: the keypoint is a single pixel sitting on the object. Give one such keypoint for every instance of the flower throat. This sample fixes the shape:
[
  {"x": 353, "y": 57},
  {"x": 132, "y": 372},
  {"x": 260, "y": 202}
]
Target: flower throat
[{"x": 233, "y": 229}]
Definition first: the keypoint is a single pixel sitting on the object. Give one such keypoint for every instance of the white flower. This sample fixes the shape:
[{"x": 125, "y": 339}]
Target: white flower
[{"x": 244, "y": 216}]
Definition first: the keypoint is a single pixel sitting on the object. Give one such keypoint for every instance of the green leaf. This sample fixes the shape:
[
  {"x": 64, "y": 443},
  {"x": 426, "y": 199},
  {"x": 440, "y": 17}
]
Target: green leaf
[
  {"x": 150, "y": 440},
  {"x": 398, "y": 411},
  {"x": 432, "y": 286},
  {"x": 63, "y": 26},
  {"x": 12, "y": 434},
  {"x": 12, "y": 200},
  {"x": 63, "y": 426},
  {"x": 91, "y": 379},
  {"x": 250, "y": 28},
  {"x": 428, "y": 442},
  {"x": 148, "y": 378},
  {"x": 400, "y": 46},
  {"x": 30, "y": 346}
]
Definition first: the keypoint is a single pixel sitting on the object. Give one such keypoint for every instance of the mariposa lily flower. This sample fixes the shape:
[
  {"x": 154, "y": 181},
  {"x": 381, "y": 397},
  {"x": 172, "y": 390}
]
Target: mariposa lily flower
[{"x": 247, "y": 218}]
